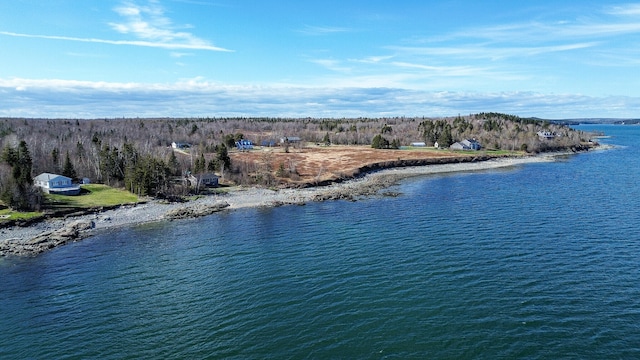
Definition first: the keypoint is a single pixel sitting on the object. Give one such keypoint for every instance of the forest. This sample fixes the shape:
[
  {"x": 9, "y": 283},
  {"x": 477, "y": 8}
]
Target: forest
[{"x": 136, "y": 154}]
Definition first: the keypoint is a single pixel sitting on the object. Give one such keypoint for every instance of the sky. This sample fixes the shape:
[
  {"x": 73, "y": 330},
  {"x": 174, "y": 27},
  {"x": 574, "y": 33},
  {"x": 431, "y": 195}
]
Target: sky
[{"x": 553, "y": 59}]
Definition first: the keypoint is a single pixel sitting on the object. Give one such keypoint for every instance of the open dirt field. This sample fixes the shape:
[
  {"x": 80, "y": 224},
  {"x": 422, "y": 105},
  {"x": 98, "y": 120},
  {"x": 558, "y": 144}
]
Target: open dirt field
[{"x": 320, "y": 164}]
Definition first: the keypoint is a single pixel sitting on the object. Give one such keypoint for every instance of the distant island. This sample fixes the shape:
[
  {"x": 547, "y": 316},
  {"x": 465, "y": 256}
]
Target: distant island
[{"x": 585, "y": 121}]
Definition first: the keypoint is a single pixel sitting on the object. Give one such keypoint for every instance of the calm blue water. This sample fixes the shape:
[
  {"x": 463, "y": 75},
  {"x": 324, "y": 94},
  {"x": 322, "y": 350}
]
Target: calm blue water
[{"x": 538, "y": 261}]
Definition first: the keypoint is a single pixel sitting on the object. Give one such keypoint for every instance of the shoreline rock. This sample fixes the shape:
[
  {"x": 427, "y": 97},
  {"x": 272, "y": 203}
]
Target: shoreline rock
[
  {"x": 195, "y": 211},
  {"x": 47, "y": 240}
]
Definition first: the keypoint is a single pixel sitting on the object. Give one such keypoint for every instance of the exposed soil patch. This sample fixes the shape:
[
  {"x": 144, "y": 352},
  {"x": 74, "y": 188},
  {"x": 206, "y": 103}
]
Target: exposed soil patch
[{"x": 326, "y": 164}]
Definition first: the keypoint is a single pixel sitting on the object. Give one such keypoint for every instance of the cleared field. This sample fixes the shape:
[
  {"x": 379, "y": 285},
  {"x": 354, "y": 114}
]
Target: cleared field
[{"x": 319, "y": 163}]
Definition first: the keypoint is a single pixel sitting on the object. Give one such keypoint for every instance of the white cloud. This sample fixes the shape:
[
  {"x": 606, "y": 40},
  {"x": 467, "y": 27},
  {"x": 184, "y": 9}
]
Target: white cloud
[
  {"x": 489, "y": 51},
  {"x": 147, "y": 24},
  {"x": 150, "y": 24},
  {"x": 373, "y": 59},
  {"x": 333, "y": 65},
  {"x": 52, "y": 98},
  {"x": 322, "y": 30},
  {"x": 625, "y": 10}
]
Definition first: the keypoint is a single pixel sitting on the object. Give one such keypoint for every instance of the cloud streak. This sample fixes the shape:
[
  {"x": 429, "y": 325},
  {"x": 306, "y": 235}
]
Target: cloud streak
[
  {"x": 322, "y": 30},
  {"x": 170, "y": 46}
]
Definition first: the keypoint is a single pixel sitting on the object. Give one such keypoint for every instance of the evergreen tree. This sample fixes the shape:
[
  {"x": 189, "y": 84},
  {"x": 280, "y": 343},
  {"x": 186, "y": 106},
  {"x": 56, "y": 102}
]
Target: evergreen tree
[
  {"x": 68, "y": 170},
  {"x": 17, "y": 192},
  {"x": 379, "y": 142},
  {"x": 200, "y": 165},
  {"x": 55, "y": 157},
  {"x": 212, "y": 166},
  {"x": 223, "y": 156},
  {"x": 445, "y": 139},
  {"x": 174, "y": 165}
]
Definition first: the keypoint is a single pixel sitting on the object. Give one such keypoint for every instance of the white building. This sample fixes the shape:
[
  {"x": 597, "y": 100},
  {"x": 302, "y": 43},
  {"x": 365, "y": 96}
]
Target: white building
[{"x": 56, "y": 184}]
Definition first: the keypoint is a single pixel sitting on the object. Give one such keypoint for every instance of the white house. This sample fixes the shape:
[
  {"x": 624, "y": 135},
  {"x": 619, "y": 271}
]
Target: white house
[
  {"x": 56, "y": 184},
  {"x": 180, "y": 145},
  {"x": 545, "y": 135}
]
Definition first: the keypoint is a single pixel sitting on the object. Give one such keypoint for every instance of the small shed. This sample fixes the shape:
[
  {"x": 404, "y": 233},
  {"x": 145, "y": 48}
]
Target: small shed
[{"x": 289, "y": 139}]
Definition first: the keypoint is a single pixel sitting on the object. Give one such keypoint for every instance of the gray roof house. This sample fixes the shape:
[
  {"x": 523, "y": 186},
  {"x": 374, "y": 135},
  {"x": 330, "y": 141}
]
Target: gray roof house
[
  {"x": 208, "y": 179},
  {"x": 467, "y": 144},
  {"x": 56, "y": 184}
]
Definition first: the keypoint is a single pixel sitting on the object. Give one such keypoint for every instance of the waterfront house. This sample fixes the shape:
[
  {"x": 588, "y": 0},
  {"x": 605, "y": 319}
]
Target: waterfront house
[
  {"x": 472, "y": 144},
  {"x": 467, "y": 144},
  {"x": 208, "y": 179},
  {"x": 56, "y": 184}
]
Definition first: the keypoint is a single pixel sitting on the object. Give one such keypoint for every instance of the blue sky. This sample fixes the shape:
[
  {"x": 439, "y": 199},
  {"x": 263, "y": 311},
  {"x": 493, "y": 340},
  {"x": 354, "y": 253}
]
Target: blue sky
[{"x": 348, "y": 58}]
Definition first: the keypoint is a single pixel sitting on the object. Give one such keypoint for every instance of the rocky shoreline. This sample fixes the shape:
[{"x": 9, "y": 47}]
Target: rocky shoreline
[{"x": 42, "y": 236}]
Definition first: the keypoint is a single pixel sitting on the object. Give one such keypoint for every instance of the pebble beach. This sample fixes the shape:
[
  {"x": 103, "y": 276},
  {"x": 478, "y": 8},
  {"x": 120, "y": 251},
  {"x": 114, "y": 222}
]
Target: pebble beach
[{"x": 17, "y": 240}]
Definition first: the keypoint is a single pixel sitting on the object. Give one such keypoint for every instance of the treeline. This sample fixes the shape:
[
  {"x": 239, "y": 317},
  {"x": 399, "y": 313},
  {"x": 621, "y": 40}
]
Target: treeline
[{"x": 137, "y": 154}]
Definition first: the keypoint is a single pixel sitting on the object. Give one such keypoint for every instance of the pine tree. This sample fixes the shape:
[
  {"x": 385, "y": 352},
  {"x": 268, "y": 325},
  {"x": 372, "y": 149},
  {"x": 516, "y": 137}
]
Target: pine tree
[
  {"x": 174, "y": 165},
  {"x": 223, "y": 156},
  {"x": 200, "y": 165},
  {"x": 17, "y": 191},
  {"x": 68, "y": 170}
]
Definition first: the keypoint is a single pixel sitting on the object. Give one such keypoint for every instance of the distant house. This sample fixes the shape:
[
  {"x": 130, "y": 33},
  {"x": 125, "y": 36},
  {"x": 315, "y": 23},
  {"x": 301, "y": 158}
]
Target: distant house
[
  {"x": 467, "y": 144},
  {"x": 545, "y": 135},
  {"x": 244, "y": 144},
  {"x": 268, "y": 143},
  {"x": 436, "y": 145},
  {"x": 56, "y": 184},
  {"x": 180, "y": 145},
  {"x": 472, "y": 144},
  {"x": 418, "y": 144},
  {"x": 289, "y": 139},
  {"x": 209, "y": 179}
]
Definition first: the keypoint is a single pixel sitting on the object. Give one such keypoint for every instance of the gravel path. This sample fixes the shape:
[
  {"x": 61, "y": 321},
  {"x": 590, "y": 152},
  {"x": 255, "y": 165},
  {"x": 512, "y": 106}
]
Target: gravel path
[{"x": 246, "y": 198}]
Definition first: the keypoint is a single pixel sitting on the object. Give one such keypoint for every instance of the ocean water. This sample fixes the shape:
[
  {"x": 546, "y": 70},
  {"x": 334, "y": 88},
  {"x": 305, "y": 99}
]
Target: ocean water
[{"x": 540, "y": 261}]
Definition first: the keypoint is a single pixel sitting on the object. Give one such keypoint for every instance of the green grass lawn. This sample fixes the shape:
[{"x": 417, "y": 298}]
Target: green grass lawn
[
  {"x": 93, "y": 195},
  {"x": 8, "y": 214}
]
